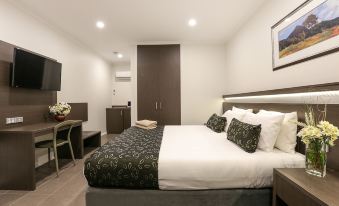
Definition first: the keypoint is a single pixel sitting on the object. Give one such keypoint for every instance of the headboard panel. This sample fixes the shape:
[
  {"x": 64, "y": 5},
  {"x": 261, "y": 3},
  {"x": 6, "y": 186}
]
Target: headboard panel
[{"x": 332, "y": 116}]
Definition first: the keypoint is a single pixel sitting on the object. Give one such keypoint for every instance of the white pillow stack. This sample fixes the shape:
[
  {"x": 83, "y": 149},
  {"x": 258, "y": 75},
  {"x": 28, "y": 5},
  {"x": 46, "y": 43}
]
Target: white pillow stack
[
  {"x": 229, "y": 114},
  {"x": 270, "y": 128},
  {"x": 287, "y": 137},
  {"x": 235, "y": 113},
  {"x": 236, "y": 109}
]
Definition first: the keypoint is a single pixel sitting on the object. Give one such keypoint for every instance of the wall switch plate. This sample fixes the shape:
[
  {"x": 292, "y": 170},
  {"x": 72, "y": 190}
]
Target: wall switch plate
[
  {"x": 13, "y": 120},
  {"x": 19, "y": 119},
  {"x": 8, "y": 120}
]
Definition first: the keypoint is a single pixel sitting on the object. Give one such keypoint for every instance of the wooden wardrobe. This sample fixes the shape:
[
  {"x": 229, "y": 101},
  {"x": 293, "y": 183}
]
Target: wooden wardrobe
[{"x": 159, "y": 83}]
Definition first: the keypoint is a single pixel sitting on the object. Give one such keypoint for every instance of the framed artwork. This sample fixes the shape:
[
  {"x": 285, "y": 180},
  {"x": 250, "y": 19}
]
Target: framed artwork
[{"x": 310, "y": 31}]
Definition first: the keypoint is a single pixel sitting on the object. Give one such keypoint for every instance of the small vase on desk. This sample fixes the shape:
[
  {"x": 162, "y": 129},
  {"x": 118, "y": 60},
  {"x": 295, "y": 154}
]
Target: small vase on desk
[
  {"x": 60, "y": 118},
  {"x": 316, "y": 157}
]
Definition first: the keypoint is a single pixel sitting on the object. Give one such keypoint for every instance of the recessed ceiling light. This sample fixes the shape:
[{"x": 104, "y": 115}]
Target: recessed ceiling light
[
  {"x": 120, "y": 56},
  {"x": 192, "y": 22},
  {"x": 100, "y": 24}
]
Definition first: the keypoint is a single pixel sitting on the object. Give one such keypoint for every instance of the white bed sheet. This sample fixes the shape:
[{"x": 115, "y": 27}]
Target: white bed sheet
[{"x": 195, "y": 158}]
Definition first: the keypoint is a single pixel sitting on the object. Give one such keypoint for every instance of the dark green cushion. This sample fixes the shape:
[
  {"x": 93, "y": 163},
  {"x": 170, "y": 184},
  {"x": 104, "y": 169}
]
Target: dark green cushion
[
  {"x": 216, "y": 123},
  {"x": 244, "y": 135}
]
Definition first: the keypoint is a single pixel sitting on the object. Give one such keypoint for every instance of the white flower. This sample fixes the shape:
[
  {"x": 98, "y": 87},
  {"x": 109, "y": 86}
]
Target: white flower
[
  {"x": 310, "y": 132},
  {"x": 329, "y": 131},
  {"x": 61, "y": 108}
]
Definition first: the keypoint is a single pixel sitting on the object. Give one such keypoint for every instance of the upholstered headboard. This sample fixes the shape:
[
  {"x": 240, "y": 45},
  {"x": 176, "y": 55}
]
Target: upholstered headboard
[{"x": 332, "y": 116}]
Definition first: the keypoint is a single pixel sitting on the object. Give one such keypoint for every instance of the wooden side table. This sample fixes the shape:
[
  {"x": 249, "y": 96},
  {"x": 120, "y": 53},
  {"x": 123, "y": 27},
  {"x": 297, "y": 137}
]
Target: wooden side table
[{"x": 294, "y": 187}]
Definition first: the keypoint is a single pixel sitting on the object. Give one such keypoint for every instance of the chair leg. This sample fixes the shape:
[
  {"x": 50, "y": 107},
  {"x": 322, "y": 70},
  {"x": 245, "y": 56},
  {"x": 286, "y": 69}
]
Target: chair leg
[
  {"x": 49, "y": 156},
  {"x": 56, "y": 160},
  {"x": 71, "y": 149}
]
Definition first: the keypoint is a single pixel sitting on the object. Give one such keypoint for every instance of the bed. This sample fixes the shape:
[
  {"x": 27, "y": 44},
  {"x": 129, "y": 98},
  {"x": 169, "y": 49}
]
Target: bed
[
  {"x": 204, "y": 168},
  {"x": 187, "y": 157}
]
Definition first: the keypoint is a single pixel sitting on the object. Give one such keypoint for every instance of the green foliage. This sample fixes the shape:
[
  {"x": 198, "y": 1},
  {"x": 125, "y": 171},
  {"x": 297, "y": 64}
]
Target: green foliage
[{"x": 316, "y": 155}]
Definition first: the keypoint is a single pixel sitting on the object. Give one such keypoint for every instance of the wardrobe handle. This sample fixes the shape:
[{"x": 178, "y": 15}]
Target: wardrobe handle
[
  {"x": 156, "y": 105},
  {"x": 120, "y": 112},
  {"x": 160, "y": 105}
]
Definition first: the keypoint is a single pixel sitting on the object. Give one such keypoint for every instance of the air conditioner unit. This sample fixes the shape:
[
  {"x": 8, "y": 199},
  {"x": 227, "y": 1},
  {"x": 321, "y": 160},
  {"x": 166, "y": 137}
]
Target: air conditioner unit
[{"x": 123, "y": 75}]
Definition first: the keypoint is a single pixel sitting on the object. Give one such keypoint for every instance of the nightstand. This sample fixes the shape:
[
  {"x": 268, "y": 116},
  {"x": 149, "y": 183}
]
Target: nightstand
[{"x": 294, "y": 187}]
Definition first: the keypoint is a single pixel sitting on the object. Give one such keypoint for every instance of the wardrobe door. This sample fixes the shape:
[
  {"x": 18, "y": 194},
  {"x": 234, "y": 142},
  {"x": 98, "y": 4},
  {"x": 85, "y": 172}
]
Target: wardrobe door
[
  {"x": 169, "y": 76},
  {"x": 148, "y": 82}
]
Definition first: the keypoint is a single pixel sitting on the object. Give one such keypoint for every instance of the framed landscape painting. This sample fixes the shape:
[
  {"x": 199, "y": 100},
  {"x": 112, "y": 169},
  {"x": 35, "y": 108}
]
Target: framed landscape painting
[{"x": 310, "y": 31}]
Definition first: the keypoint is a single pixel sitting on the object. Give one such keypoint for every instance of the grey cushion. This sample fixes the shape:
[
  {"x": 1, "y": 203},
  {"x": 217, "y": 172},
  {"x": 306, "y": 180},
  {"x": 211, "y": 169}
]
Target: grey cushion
[
  {"x": 244, "y": 135},
  {"x": 216, "y": 123}
]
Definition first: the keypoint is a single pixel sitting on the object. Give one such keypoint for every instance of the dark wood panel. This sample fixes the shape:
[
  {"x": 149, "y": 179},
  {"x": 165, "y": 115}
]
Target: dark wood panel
[
  {"x": 79, "y": 111},
  {"x": 91, "y": 140},
  {"x": 148, "y": 81},
  {"x": 309, "y": 88},
  {"x": 28, "y": 103},
  {"x": 292, "y": 195},
  {"x": 17, "y": 160},
  {"x": 296, "y": 187},
  {"x": 332, "y": 116},
  {"x": 159, "y": 83},
  {"x": 114, "y": 120},
  {"x": 127, "y": 118},
  {"x": 170, "y": 98},
  {"x": 32, "y": 114}
]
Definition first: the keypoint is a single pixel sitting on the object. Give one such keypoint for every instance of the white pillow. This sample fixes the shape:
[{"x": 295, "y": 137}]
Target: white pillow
[
  {"x": 229, "y": 114},
  {"x": 270, "y": 128},
  {"x": 287, "y": 137},
  {"x": 236, "y": 109}
]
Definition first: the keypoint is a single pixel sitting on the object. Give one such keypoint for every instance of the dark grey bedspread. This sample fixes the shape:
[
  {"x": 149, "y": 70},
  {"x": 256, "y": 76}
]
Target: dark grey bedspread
[{"x": 128, "y": 161}]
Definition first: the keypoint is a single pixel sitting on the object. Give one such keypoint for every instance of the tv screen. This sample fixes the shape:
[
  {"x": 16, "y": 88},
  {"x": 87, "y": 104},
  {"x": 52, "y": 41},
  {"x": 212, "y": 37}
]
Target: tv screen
[{"x": 35, "y": 72}]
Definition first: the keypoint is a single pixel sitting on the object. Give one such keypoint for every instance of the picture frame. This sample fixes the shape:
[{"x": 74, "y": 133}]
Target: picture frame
[{"x": 308, "y": 32}]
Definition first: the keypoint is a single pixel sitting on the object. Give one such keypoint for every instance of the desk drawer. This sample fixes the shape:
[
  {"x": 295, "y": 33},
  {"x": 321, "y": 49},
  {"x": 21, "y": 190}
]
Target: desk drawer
[{"x": 292, "y": 195}]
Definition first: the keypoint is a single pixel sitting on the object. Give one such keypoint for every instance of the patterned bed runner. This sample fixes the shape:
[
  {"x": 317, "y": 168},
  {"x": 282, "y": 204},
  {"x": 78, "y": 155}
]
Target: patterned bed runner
[{"x": 128, "y": 161}]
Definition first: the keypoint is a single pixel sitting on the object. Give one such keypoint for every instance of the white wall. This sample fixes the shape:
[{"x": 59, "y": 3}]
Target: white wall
[
  {"x": 86, "y": 77},
  {"x": 249, "y": 56},
  {"x": 122, "y": 88},
  {"x": 202, "y": 82}
]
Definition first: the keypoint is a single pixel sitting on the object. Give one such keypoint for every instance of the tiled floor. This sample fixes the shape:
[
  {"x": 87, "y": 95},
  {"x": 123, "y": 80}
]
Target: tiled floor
[{"x": 67, "y": 190}]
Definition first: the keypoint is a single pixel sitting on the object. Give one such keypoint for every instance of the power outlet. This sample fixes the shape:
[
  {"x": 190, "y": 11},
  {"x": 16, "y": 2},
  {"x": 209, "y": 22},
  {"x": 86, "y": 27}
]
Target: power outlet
[{"x": 19, "y": 119}]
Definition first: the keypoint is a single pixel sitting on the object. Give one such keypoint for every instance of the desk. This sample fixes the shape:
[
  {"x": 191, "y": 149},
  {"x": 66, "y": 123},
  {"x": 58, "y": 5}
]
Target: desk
[{"x": 17, "y": 153}]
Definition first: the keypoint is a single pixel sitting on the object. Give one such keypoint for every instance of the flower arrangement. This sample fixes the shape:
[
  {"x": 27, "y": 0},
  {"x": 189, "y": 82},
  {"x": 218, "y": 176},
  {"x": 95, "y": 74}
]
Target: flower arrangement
[
  {"x": 60, "y": 110},
  {"x": 318, "y": 130},
  {"x": 317, "y": 134}
]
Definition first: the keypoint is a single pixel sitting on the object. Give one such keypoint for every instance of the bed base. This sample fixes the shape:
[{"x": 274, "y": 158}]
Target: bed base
[{"x": 229, "y": 197}]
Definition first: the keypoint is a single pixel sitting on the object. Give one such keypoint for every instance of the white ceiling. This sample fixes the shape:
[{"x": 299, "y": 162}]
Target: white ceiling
[{"x": 131, "y": 22}]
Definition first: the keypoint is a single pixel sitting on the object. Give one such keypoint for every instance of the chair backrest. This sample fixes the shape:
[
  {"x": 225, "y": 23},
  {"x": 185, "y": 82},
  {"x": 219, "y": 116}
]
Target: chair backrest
[{"x": 66, "y": 125}]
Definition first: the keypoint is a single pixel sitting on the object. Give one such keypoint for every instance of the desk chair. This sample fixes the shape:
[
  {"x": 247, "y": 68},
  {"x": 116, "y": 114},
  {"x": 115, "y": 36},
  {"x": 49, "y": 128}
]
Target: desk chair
[{"x": 58, "y": 142}]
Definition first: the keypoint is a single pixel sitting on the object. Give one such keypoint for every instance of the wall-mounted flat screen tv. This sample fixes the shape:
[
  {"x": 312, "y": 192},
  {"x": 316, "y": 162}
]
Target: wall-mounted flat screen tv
[{"x": 35, "y": 72}]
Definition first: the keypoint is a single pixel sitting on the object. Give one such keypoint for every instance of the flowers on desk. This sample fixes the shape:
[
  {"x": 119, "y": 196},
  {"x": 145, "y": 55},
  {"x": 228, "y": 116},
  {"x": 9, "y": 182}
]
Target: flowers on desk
[
  {"x": 60, "y": 111},
  {"x": 317, "y": 136}
]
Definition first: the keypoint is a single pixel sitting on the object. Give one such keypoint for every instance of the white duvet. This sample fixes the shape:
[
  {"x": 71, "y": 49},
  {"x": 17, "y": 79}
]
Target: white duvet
[{"x": 195, "y": 158}]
